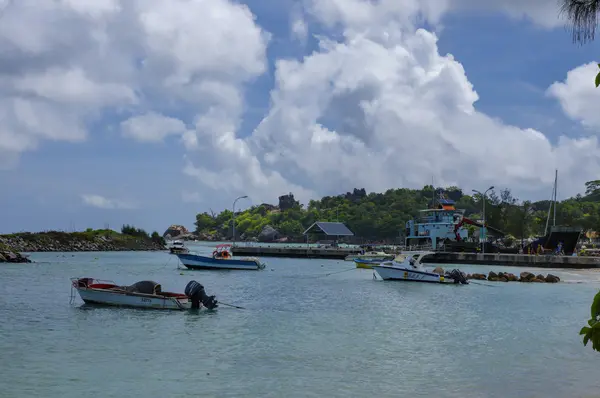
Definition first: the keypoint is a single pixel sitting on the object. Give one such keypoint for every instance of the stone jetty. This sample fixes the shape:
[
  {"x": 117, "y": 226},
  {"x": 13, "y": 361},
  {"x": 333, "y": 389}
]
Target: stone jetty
[
  {"x": 296, "y": 251},
  {"x": 526, "y": 277},
  {"x": 513, "y": 260}
]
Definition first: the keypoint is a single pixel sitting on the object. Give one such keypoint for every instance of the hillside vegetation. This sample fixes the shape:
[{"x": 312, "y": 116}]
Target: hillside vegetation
[
  {"x": 130, "y": 238},
  {"x": 382, "y": 216}
]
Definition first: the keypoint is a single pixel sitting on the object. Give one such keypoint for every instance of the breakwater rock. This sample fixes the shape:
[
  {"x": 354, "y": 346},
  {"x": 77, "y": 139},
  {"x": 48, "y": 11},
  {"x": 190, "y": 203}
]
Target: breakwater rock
[
  {"x": 95, "y": 240},
  {"x": 8, "y": 256},
  {"x": 527, "y": 277}
]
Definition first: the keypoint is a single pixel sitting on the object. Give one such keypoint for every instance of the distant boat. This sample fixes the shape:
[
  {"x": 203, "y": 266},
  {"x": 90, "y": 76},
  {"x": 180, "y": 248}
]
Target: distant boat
[
  {"x": 367, "y": 263},
  {"x": 177, "y": 246},
  {"x": 371, "y": 255},
  {"x": 408, "y": 267},
  {"x": 143, "y": 294},
  {"x": 221, "y": 259}
]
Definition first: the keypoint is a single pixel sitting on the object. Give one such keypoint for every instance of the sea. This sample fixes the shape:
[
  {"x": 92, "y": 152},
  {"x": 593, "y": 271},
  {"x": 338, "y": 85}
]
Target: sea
[{"x": 307, "y": 328}]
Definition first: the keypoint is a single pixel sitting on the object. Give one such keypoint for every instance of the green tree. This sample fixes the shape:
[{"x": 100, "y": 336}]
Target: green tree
[
  {"x": 205, "y": 221},
  {"x": 156, "y": 238},
  {"x": 133, "y": 231},
  {"x": 592, "y": 331}
]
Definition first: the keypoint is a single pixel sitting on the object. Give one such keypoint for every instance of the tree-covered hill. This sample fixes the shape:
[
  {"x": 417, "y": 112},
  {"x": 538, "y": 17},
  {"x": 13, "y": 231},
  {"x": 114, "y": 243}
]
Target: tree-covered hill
[{"x": 382, "y": 216}]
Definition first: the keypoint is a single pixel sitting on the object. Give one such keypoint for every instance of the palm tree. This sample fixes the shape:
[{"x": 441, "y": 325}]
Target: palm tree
[{"x": 583, "y": 16}]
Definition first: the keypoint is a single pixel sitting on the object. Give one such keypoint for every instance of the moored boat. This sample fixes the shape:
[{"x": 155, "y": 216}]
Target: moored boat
[
  {"x": 142, "y": 294},
  {"x": 371, "y": 255},
  {"x": 408, "y": 267},
  {"x": 368, "y": 263},
  {"x": 221, "y": 259},
  {"x": 177, "y": 246}
]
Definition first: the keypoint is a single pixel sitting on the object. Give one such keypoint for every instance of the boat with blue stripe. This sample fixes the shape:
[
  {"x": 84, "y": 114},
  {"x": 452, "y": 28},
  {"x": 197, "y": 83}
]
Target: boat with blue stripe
[
  {"x": 221, "y": 259},
  {"x": 408, "y": 267}
]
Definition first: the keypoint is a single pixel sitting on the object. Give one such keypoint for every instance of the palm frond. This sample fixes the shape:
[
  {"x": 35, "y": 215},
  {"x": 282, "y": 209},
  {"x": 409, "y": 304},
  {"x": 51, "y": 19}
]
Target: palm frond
[{"x": 583, "y": 16}]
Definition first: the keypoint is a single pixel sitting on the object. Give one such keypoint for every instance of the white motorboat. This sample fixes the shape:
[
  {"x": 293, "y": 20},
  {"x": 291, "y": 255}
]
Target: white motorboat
[
  {"x": 143, "y": 294},
  {"x": 408, "y": 267},
  {"x": 371, "y": 255},
  {"x": 177, "y": 246}
]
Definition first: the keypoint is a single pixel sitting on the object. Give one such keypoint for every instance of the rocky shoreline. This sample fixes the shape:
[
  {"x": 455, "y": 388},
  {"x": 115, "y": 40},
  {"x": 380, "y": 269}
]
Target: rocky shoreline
[{"x": 12, "y": 245}]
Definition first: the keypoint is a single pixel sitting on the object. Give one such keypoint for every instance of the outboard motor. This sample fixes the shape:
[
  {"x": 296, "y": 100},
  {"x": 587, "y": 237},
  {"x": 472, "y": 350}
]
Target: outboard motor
[
  {"x": 197, "y": 295},
  {"x": 458, "y": 276}
]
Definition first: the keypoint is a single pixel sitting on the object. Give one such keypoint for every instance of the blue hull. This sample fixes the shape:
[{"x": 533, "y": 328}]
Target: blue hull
[{"x": 194, "y": 261}]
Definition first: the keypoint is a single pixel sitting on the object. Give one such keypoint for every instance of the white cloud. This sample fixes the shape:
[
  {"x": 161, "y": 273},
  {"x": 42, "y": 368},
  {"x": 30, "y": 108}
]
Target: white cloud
[
  {"x": 382, "y": 108},
  {"x": 375, "y": 106},
  {"x": 543, "y": 13},
  {"x": 102, "y": 202},
  {"x": 151, "y": 127},
  {"x": 298, "y": 26},
  {"x": 63, "y": 63},
  {"x": 578, "y": 95}
]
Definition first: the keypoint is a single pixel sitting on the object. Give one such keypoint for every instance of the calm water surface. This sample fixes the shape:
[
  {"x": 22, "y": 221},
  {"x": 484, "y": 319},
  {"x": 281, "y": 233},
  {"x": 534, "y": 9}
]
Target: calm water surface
[{"x": 302, "y": 334}]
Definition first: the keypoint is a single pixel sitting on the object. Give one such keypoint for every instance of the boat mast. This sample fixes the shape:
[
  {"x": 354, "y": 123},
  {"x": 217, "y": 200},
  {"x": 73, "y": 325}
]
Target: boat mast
[
  {"x": 555, "y": 189},
  {"x": 552, "y": 204},
  {"x": 432, "y": 194}
]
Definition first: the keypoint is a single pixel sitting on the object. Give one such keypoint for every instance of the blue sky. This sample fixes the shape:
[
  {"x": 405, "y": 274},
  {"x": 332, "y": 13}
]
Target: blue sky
[{"x": 510, "y": 63}]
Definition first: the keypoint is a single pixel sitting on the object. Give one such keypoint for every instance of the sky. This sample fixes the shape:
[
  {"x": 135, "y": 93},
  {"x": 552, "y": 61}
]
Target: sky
[{"x": 147, "y": 112}]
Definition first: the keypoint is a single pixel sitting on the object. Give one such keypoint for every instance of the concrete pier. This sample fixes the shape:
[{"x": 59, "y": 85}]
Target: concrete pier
[
  {"x": 513, "y": 260},
  {"x": 300, "y": 251}
]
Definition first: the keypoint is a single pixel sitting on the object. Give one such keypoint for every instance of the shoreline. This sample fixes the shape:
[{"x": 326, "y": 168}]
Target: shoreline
[{"x": 12, "y": 245}]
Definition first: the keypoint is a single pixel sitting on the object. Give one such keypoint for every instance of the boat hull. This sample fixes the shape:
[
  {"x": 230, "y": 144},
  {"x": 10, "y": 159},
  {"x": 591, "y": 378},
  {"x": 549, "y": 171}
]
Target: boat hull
[
  {"x": 133, "y": 300},
  {"x": 407, "y": 275},
  {"x": 193, "y": 261}
]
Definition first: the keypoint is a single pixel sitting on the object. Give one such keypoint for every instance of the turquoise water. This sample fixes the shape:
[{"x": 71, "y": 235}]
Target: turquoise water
[{"x": 303, "y": 334}]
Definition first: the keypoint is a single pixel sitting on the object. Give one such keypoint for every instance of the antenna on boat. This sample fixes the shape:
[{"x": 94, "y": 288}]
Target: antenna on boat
[
  {"x": 555, "y": 189},
  {"x": 432, "y": 194}
]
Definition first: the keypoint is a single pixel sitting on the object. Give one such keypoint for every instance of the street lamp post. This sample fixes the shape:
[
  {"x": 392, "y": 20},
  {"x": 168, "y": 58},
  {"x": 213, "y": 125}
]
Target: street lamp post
[
  {"x": 484, "y": 235},
  {"x": 233, "y": 216}
]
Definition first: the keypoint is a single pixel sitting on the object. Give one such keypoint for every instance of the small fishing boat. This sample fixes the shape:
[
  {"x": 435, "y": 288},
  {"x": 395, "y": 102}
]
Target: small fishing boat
[
  {"x": 177, "y": 246},
  {"x": 370, "y": 255},
  {"x": 221, "y": 259},
  {"x": 408, "y": 267},
  {"x": 368, "y": 263},
  {"x": 142, "y": 294}
]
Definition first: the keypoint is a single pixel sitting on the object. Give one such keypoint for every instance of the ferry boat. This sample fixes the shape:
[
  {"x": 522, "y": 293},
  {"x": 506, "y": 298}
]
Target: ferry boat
[{"x": 443, "y": 226}]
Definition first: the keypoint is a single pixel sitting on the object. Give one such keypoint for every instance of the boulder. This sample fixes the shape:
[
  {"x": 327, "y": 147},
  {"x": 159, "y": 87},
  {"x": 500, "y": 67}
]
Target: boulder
[
  {"x": 552, "y": 278},
  {"x": 492, "y": 276},
  {"x": 526, "y": 277},
  {"x": 268, "y": 234},
  {"x": 439, "y": 271},
  {"x": 176, "y": 230},
  {"x": 511, "y": 277},
  {"x": 480, "y": 277}
]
